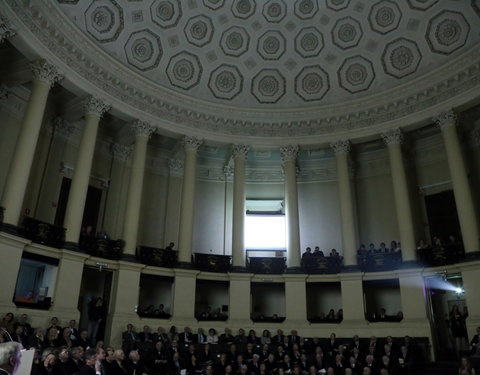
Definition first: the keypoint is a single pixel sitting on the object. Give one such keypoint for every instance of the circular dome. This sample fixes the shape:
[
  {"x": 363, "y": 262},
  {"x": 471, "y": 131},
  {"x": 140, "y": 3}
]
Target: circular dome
[{"x": 268, "y": 70}]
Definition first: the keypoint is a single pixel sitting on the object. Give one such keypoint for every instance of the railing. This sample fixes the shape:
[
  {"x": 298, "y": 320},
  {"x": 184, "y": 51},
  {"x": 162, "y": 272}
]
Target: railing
[
  {"x": 212, "y": 262},
  {"x": 101, "y": 247},
  {"x": 322, "y": 264},
  {"x": 153, "y": 256},
  {"x": 441, "y": 255},
  {"x": 266, "y": 265},
  {"x": 374, "y": 317},
  {"x": 267, "y": 319},
  {"x": 320, "y": 319},
  {"x": 369, "y": 262},
  {"x": 43, "y": 233}
]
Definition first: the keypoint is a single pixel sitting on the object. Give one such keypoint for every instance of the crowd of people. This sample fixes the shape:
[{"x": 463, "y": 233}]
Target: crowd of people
[{"x": 69, "y": 351}]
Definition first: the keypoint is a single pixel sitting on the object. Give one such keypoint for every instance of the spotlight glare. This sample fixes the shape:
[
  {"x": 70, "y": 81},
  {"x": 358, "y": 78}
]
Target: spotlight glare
[{"x": 459, "y": 290}]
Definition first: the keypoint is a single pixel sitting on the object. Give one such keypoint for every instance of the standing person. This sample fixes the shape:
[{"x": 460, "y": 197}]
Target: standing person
[
  {"x": 459, "y": 329},
  {"x": 96, "y": 315}
]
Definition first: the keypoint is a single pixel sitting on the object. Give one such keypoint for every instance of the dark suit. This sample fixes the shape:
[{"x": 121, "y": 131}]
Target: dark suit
[
  {"x": 176, "y": 367},
  {"x": 87, "y": 370}
]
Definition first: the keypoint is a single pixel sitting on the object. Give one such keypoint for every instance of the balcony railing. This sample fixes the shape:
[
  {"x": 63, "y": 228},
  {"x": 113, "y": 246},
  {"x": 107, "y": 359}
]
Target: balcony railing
[
  {"x": 369, "y": 262},
  {"x": 266, "y": 265},
  {"x": 322, "y": 264},
  {"x": 43, "y": 233},
  {"x": 153, "y": 256},
  {"x": 441, "y": 255},
  {"x": 212, "y": 262},
  {"x": 101, "y": 247}
]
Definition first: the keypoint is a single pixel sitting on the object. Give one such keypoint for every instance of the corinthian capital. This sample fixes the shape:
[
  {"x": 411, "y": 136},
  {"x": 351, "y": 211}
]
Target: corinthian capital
[
  {"x": 6, "y": 30},
  {"x": 45, "y": 72},
  {"x": 289, "y": 152},
  {"x": 341, "y": 147},
  {"x": 121, "y": 151},
  {"x": 393, "y": 137},
  {"x": 191, "y": 143},
  {"x": 95, "y": 106},
  {"x": 240, "y": 151},
  {"x": 142, "y": 129},
  {"x": 446, "y": 119}
]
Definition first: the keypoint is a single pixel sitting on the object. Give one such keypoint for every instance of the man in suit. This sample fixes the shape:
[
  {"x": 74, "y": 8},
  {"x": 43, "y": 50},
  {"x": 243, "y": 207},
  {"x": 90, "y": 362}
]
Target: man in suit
[
  {"x": 9, "y": 357},
  {"x": 130, "y": 339},
  {"x": 91, "y": 366},
  {"x": 177, "y": 364},
  {"x": 134, "y": 364},
  {"x": 186, "y": 337}
]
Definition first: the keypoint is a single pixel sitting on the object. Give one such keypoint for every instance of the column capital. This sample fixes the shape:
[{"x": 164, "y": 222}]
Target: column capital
[
  {"x": 393, "y": 137},
  {"x": 62, "y": 127},
  {"x": 121, "y": 151},
  {"x": 44, "y": 71},
  {"x": 176, "y": 166},
  {"x": 6, "y": 29},
  {"x": 341, "y": 147},
  {"x": 3, "y": 91},
  {"x": 142, "y": 128},
  {"x": 191, "y": 143},
  {"x": 289, "y": 152},
  {"x": 95, "y": 106},
  {"x": 240, "y": 151},
  {"x": 446, "y": 119},
  {"x": 228, "y": 171}
]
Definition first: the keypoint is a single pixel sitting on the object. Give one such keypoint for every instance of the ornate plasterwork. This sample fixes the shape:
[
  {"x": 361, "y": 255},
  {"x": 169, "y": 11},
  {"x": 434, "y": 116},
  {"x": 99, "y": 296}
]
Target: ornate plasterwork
[
  {"x": 289, "y": 152},
  {"x": 393, "y": 137},
  {"x": 240, "y": 151},
  {"x": 191, "y": 143},
  {"x": 142, "y": 129},
  {"x": 341, "y": 146},
  {"x": 6, "y": 30},
  {"x": 62, "y": 127},
  {"x": 95, "y": 106},
  {"x": 103, "y": 75},
  {"x": 176, "y": 167},
  {"x": 446, "y": 119},
  {"x": 45, "y": 72}
]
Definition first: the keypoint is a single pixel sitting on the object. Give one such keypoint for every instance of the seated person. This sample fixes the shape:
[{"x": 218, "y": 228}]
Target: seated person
[
  {"x": 317, "y": 252},
  {"x": 383, "y": 249}
]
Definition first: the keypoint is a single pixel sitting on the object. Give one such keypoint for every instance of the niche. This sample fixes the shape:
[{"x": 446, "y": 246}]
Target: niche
[
  {"x": 324, "y": 302},
  {"x": 268, "y": 302},
  {"x": 155, "y": 297},
  {"x": 382, "y": 300},
  {"x": 211, "y": 300}
]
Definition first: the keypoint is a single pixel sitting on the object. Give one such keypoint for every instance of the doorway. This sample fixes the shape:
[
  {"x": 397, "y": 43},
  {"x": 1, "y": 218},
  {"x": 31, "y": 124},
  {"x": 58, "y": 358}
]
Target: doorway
[
  {"x": 92, "y": 205},
  {"x": 442, "y": 215},
  {"x": 96, "y": 283},
  {"x": 444, "y": 291}
]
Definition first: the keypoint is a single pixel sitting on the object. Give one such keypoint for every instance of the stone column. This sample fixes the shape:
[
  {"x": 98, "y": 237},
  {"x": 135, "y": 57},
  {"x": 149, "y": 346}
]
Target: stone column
[
  {"x": 94, "y": 109},
  {"x": 461, "y": 187},
  {"x": 143, "y": 131},
  {"x": 184, "y": 289},
  {"x": 240, "y": 299},
  {"x": 393, "y": 140},
  {"x": 191, "y": 145},
  {"x": 352, "y": 299},
  {"x": 44, "y": 77},
  {"x": 347, "y": 205},
  {"x": 295, "y": 300},
  {"x": 289, "y": 156},
  {"x": 238, "y": 232}
]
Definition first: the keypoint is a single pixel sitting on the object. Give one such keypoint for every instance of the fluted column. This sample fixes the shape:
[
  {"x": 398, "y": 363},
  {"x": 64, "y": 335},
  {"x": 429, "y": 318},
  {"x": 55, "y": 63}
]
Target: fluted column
[
  {"x": 347, "y": 205},
  {"x": 6, "y": 30},
  {"x": 191, "y": 145},
  {"x": 238, "y": 232},
  {"x": 289, "y": 157},
  {"x": 94, "y": 108},
  {"x": 44, "y": 77},
  {"x": 143, "y": 131},
  {"x": 461, "y": 188},
  {"x": 393, "y": 140}
]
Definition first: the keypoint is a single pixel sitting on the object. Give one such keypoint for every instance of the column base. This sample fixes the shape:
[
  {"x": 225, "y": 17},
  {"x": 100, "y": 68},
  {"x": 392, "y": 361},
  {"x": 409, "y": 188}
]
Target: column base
[
  {"x": 294, "y": 270},
  {"x": 353, "y": 268},
  {"x": 129, "y": 258},
  {"x": 73, "y": 246},
  {"x": 471, "y": 256},
  {"x": 185, "y": 265}
]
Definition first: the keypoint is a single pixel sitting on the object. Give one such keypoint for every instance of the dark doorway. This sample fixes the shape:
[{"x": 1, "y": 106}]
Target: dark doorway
[
  {"x": 95, "y": 283},
  {"x": 92, "y": 205},
  {"x": 442, "y": 215}
]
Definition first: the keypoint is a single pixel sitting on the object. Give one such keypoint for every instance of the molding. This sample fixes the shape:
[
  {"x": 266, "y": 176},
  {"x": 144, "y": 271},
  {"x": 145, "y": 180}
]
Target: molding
[
  {"x": 6, "y": 29},
  {"x": 240, "y": 151},
  {"x": 446, "y": 119},
  {"x": 96, "y": 106},
  {"x": 142, "y": 129},
  {"x": 191, "y": 143},
  {"x": 341, "y": 147},
  {"x": 393, "y": 137},
  {"x": 46, "y": 72},
  {"x": 47, "y": 31},
  {"x": 289, "y": 152}
]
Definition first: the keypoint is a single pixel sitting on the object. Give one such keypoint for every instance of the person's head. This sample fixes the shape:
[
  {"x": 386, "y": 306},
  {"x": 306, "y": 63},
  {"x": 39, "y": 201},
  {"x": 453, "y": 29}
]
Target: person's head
[
  {"x": 175, "y": 356},
  {"x": 66, "y": 333},
  {"x": 366, "y": 371},
  {"x": 386, "y": 360},
  {"x": 8, "y": 317},
  {"x": 332, "y": 335},
  {"x": 146, "y": 328},
  {"x": 352, "y": 360},
  {"x": 63, "y": 354},
  {"x": 54, "y": 321},
  {"x": 77, "y": 352},
  {"x": 348, "y": 371},
  {"x": 49, "y": 359},
  {"x": 10, "y": 356},
  {"x": 118, "y": 355},
  {"x": 109, "y": 352},
  {"x": 312, "y": 370},
  {"x": 330, "y": 371},
  {"x": 134, "y": 356},
  {"x": 465, "y": 363},
  {"x": 129, "y": 327},
  {"x": 309, "y": 249},
  {"x": 369, "y": 358},
  {"x": 90, "y": 357},
  {"x": 72, "y": 323},
  {"x": 23, "y": 318},
  {"x": 99, "y": 302},
  {"x": 212, "y": 332},
  {"x": 228, "y": 369},
  {"x": 101, "y": 355},
  {"x": 83, "y": 334}
]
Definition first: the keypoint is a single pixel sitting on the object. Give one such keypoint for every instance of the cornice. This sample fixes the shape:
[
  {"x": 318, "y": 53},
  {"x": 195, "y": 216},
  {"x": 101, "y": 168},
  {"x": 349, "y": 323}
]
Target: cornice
[{"x": 47, "y": 31}]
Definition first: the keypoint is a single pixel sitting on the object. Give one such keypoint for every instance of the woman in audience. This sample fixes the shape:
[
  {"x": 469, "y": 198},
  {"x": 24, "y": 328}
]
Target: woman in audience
[
  {"x": 53, "y": 338},
  {"x": 212, "y": 337},
  {"x": 46, "y": 365},
  {"x": 252, "y": 338},
  {"x": 7, "y": 322},
  {"x": 466, "y": 367},
  {"x": 266, "y": 338},
  {"x": 65, "y": 340}
]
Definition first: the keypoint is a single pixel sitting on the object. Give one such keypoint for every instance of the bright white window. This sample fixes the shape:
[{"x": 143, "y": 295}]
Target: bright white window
[{"x": 265, "y": 232}]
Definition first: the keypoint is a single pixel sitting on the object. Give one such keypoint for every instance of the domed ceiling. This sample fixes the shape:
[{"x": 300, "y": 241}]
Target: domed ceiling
[{"x": 279, "y": 53}]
